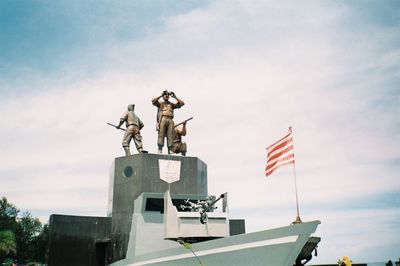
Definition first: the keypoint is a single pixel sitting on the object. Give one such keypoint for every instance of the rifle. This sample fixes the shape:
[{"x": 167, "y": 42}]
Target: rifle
[
  {"x": 184, "y": 121},
  {"x": 115, "y": 126}
]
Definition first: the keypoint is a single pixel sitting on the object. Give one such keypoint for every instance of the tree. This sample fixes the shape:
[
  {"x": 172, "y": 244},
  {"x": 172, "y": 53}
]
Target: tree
[
  {"x": 8, "y": 245},
  {"x": 28, "y": 230},
  {"x": 8, "y": 215},
  {"x": 22, "y": 237},
  {"x": 41, "y": 243}
]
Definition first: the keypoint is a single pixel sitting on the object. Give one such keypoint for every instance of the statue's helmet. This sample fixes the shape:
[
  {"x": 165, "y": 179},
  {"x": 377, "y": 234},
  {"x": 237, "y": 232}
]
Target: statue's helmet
[{"x": 131, "y": 107}]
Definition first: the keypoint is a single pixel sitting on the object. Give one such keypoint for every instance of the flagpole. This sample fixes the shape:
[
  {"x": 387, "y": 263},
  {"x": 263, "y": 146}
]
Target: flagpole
[{"x": 298, "y": 220}]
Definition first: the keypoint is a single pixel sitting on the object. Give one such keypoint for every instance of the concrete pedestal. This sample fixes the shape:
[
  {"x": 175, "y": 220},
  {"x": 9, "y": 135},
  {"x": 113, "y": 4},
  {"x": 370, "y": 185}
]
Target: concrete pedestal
[
  {"x": 132, "y": 175},
  {"x": 82, "y": 240}
]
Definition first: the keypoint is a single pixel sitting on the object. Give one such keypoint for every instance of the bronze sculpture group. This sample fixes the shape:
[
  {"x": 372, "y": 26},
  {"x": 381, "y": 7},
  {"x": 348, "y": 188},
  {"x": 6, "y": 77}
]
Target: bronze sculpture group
[{"x": 165, "y": 126}]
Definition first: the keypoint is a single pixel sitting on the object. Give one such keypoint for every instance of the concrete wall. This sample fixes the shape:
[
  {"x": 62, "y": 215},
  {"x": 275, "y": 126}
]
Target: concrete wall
[
  {"x": 132, "y": 175},
  {"x": 78, "y": 240},
  {"x": 86, "y": 241},
  {"x": 237, "y": 227}
]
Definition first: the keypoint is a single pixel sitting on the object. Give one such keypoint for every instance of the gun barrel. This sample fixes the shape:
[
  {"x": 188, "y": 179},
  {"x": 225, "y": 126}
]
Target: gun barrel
[
  {"x": 215, "y": 201},
  {"x": 220, "y": 197},
  {"x": 115, "y": 126},
  {"x": 184, "y": 121}
]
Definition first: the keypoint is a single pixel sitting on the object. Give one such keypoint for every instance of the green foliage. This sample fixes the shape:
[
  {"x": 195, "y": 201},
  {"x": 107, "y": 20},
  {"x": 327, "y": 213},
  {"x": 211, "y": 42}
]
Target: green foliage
[
  {"x": 28, "y": 230},
  {"x": 8, "y": 215},
  {"x": 8, "y": 245},
  {"x": 33, "y": 264},
  {"x": 7, "y": 262},
  {"x": 187, "y": 245},
  {"x": 21, "y": 237},
  {"x": 41, "y": 244}
]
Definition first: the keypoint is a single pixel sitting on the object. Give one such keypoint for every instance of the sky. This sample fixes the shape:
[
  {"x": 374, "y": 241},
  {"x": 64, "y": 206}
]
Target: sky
[{"x": 247, "y": 70}]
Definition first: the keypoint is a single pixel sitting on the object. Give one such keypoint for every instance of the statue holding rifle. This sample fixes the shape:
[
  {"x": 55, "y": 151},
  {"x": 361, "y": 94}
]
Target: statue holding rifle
[
  {"x": 133, "y": 127},
  {"x": 180, "y": 146},
  {"x": 165, "y": 116}
]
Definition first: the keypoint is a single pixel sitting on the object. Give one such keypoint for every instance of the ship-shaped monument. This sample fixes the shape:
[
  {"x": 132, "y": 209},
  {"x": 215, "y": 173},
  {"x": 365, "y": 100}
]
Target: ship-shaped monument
[{"x": 160, "y": 213}]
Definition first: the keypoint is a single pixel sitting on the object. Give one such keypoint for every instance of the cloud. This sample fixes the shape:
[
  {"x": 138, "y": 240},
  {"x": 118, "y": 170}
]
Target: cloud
[{"x": 246, "y": 73}]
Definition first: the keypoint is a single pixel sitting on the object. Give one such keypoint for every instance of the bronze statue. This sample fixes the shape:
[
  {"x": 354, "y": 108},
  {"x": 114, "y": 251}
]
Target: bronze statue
[
  {"x": 179, "y": 146},
  {"x": 133, "y": 127},
  {"x": 165, "y": 115}
]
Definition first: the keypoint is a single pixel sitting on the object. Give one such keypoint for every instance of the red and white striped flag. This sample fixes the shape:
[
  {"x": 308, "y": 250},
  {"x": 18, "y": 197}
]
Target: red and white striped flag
[{"x": 280, "y": 153}]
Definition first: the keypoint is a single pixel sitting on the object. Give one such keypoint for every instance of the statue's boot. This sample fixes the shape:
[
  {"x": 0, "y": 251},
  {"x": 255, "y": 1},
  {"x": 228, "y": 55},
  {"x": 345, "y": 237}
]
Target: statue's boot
[{"x": 127, "y": 151}]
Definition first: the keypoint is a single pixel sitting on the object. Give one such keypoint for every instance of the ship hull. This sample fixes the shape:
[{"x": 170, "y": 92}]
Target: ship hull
[{"x": 278, "y": 247}]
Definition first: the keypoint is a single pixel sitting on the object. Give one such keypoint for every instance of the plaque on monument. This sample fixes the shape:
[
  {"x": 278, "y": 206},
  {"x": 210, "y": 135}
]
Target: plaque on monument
[{"x": 170, "y": 170}]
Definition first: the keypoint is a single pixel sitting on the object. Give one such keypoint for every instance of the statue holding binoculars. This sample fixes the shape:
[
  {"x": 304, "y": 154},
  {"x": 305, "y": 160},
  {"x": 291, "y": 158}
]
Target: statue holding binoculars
[{"x": 165, "y": 116}]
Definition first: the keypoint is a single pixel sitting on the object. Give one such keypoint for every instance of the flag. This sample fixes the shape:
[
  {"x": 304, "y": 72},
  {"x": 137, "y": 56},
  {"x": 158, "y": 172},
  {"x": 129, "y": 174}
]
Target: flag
[{"x": 280, "y": 153}]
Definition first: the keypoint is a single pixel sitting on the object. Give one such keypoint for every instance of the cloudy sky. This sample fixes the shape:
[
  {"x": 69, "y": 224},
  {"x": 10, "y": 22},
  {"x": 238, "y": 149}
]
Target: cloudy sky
[{"x": 247, "y": 70}]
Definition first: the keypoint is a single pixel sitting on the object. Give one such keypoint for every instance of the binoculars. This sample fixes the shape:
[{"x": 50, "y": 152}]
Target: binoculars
[{"x": 169, "y": 93}]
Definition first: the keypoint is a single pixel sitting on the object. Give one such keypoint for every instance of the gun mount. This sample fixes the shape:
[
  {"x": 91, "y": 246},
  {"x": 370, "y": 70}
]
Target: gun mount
[
  {"x": 203, "y": 206},
  {"x": 183, "y": 224}
]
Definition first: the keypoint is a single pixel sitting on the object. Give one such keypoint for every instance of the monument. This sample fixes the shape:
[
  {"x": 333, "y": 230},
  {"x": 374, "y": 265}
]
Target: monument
[{"x": 157, "y": 205}]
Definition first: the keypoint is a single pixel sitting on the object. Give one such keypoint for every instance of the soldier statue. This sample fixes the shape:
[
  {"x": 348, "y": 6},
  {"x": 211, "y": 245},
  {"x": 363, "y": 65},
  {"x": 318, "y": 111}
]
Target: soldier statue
[
  {"x": 179, "y": 146},
  {"x": 165, "y": 115},
  {"x": 133, "y": 127}
]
